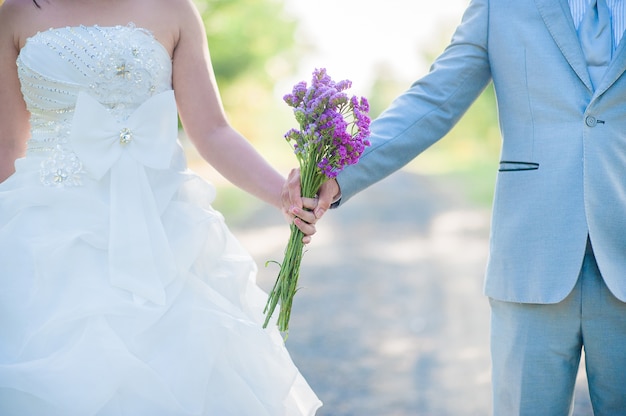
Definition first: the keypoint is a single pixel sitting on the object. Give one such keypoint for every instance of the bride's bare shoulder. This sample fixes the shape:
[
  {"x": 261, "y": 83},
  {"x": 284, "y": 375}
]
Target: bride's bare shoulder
[
  {"x": 181, "y": 12},
  {"x": 20, "y": 19},
  {"x": 179, "y": 16},
  {"x": 16, "y": 4},
  {"x": 15, "y": 9}
]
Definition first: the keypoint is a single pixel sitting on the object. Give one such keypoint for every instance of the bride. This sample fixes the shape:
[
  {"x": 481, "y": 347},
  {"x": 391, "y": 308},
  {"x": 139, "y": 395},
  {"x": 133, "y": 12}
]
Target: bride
[{"x": 122, "y": 292}]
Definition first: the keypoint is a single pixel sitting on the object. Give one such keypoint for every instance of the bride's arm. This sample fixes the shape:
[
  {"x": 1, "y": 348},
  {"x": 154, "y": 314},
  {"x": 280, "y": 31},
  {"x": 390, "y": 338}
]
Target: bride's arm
[
  {"x": 13, "y": 114},
  {"x": 204, "y": 121},
  {"x": 206, "y": 125}
]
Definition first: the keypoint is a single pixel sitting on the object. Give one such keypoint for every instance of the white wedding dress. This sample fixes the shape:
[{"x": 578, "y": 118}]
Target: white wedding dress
[{"x": 122, "y": 292}]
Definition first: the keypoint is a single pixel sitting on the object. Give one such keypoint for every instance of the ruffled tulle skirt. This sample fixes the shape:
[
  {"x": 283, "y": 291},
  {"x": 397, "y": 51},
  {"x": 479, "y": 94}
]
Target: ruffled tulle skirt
[{"x": 73, "y": 342}]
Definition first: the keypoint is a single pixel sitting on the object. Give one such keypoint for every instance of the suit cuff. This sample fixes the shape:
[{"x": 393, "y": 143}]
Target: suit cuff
[{"x": 336, "y": 202}]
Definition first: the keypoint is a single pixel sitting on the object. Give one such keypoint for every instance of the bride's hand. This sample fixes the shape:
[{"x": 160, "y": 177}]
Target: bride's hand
[
  {"x": 305, "y": 219},
  {"x": 297, "y": 209}
]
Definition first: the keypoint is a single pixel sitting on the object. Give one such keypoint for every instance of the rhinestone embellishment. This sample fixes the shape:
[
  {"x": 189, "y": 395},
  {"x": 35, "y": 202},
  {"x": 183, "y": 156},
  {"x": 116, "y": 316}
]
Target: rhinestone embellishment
[
  {"x": 62, "y": 169},
  {"x": 126, "y": 136}
]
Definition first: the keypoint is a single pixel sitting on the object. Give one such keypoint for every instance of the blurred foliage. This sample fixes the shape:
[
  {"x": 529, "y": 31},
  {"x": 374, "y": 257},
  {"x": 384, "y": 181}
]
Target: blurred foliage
[
  {"x": 385, "y": 87},
  {"x": 249, "y": 38},
  {"x": 253, "y": 47},
  {"x": 470, "y": 151}
]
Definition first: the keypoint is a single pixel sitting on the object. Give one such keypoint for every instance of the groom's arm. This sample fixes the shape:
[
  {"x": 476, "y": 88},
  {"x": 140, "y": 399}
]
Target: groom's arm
[{"x": 424, "y": 113}]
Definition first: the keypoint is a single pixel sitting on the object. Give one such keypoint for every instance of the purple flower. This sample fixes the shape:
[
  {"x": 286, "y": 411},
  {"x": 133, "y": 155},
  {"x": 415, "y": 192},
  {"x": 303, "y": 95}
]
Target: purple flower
[{"x": 333, "y": 127}]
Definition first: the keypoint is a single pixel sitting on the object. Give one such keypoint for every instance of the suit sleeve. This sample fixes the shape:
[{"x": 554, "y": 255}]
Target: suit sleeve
[{"x": 429, "y": 108}]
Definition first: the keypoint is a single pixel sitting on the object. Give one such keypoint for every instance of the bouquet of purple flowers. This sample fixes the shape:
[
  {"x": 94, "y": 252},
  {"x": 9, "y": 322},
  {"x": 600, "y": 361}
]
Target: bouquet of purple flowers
[{"x": 333, "y": 134}]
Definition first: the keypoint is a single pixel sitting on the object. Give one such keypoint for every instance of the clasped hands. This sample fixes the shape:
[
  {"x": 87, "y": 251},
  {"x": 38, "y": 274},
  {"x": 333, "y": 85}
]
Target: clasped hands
[{"x": 305, "y": 212}]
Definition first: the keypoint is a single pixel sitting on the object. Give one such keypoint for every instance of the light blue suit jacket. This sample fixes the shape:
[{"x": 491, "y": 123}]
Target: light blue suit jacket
[{"x": 563, "y": 163}]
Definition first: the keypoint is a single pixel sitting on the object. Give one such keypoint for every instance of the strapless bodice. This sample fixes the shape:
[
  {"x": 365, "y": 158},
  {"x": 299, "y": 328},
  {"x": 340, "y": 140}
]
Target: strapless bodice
[{"x": 121, "y": 67}]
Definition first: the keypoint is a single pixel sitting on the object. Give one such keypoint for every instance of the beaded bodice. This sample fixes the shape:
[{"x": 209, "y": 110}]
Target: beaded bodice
[{"x": 121, "y": 67}]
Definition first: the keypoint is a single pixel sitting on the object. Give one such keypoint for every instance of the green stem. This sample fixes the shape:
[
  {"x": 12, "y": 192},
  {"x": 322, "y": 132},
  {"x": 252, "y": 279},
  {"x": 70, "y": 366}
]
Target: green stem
[{"x": 286, "y": 284}]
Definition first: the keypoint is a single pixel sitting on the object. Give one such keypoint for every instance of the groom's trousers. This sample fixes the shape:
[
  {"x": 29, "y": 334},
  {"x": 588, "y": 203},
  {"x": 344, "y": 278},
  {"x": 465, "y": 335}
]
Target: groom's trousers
[{"x": 536, "y": 349}]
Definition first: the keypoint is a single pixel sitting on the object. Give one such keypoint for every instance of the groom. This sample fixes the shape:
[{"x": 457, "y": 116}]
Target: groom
[{"x": 556, "y": 276}]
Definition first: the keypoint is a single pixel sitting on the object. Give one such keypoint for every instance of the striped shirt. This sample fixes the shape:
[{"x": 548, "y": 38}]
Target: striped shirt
[{"x": 616, "y": 8}]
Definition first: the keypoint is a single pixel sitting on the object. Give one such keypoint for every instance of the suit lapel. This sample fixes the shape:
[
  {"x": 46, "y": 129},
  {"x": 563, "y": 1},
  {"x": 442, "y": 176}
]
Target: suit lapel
[
  {"x": 558, "y": 19},
  {"x": 616, "y": 68}
]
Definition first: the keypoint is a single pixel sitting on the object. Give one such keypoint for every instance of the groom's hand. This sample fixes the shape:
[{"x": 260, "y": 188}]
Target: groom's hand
[{"x": 328, "y": 193}]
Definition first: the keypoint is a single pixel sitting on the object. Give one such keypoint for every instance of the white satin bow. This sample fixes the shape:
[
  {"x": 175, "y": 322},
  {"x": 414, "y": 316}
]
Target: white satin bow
[{"x": 140, "y": 259}]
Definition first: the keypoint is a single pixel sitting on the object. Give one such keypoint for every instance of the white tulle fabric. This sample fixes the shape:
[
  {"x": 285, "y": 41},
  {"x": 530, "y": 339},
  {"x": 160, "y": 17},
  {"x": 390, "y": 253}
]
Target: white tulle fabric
[{"x": 122, "y": 292}]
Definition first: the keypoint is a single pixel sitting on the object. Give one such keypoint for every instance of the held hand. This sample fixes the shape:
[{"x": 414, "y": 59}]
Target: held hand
[
  {"x": 304, "y": 212},
  {"x": 291, "y": 196},
  {"x": 298, "y": 210},
  {"x": 328, "y": 193},
  {"x": 292, "y": 192},
  {"x": 305, "y": 219}
]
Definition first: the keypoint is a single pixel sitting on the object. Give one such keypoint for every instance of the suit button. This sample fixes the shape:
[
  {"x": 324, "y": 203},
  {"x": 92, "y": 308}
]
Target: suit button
[{"x": 591, "y": 121}]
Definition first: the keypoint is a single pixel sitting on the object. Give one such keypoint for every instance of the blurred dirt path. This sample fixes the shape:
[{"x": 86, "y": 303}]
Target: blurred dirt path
[{"x": 391, "y": 319}]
